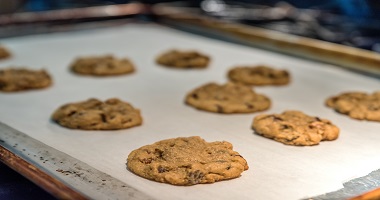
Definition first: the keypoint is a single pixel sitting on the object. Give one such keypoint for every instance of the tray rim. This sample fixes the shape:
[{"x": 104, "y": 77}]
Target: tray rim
[{"x": 32, "y": 172}]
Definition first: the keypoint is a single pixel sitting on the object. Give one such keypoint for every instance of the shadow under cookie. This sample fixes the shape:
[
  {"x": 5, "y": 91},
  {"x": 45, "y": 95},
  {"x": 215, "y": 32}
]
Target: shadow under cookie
[
  {"x": 106, "y": 65},
  {"x": 187, "y": 161},
  {"x": 295, "y": 128},
  {"x": 357, "y": 105},
  {"x": 258, "y": 75},
  {"x": 14, "y": 79},
  {"x": 183, "y": 59},
  {"x": 227, "y": 98},
  {"x": 93, "y": 114}
]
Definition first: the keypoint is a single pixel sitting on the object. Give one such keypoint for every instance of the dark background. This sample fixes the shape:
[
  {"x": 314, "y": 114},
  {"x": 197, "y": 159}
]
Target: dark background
[
  {"x": 349, "y": 22},
  {"x": 354, "y": 8}
]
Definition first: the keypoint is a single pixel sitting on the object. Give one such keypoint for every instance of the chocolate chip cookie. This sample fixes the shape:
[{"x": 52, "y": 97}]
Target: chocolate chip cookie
[
  {"x": 357, "y": 105},
  {"x": 183, "y": 59},
  {"x": 259, "y": 75},
  {"x": 187, "y": 161},
  {"x": 227, "y": 98},
  {"x": 102, "y": 66},
  {"x": 20, "y": 79},
  {"x": 94, "y": 114},
  {"x": 4, "y": 53},
  {"x": 295, "y": 128}
]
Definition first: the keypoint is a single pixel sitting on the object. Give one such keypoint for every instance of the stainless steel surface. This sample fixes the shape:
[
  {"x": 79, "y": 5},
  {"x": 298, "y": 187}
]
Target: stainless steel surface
[{"x": 353, "y": 187}]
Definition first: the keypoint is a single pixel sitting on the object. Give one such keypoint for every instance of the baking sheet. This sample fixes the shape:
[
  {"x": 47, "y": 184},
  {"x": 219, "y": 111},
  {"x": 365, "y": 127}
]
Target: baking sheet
[{"x": 276, "y": 170}]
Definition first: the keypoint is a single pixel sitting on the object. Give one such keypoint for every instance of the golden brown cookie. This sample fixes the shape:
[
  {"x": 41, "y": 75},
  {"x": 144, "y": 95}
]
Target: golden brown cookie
[
  {"x": 102, "y": 66},
  {"x": 259, "y": 75},
  {"x": 19, "y": 79},
  {"x": 357, "y": 105},
  {"x": 93, "y": 114},
  {"x": 227, "y": 98},
  {"x": 187, "y": 161},
  {"x": 295, "y": 128},
  {"x": 183, "y": 59},
  {"x": 4, "y": 53}
]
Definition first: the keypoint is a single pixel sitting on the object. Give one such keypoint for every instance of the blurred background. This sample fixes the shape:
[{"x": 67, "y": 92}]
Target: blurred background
[
  {"x": 357, "y": 8},
  {"x": 349, "y": 22}
]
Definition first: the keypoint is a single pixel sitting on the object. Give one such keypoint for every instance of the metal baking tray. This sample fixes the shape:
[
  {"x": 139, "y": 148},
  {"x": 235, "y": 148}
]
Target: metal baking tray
[{"x": 74, "y": 164}]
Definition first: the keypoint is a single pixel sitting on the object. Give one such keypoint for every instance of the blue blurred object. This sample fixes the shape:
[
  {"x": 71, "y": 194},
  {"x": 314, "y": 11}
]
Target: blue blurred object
[
  {"x": 349, "y": 22},
  {"x": 41, "y": 5},
  {"x": 355, "y": 8},
  {"x": 351, "y": 8}
]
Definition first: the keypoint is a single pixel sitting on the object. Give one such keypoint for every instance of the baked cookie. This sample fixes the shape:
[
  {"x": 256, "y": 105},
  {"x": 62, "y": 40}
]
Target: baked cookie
[
  {"x": 259, "y": 75},
  {"x": 187, "y": 161},
  {"x": 227, "y": 98},
  {"x": 295, "y": 128},
  {"x": 357, "y": 105},
  {"x": 19, "y": 79},
  {"x": 97, "y": 115},
  {"x": 4, "y": 53},
  {"x": 102, "y": 66},
  {"x": 183, "y": 59}
]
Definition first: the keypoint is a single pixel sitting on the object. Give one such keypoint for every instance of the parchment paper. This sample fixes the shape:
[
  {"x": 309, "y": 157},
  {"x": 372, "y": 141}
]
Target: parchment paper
[{"x": 276, "y": 171}]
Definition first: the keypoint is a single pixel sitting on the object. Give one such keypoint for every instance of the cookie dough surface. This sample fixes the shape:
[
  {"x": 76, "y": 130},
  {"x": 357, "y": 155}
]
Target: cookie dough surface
[
  {"x": 20, "y": 79},
  {"x": 295, "y": 128},
  {"x": 227, "y": 98},
  {"x": 259, "y": 75},
  {"x": 183, "y": 59},
  {"x": 4, "y": 53},
  {"x": 102, "y": 66},
  {"x": 187, "y": 161},
  {"x": 357, "y": 105},
  {"x": 94, "y": 114}
]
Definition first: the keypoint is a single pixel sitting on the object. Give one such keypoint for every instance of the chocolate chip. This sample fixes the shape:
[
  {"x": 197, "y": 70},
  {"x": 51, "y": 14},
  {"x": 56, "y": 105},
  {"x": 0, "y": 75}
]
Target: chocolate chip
[
  {"x": 162, "y": 169},
  {"x": 104, "y": 118},
  {"x": 373, "y": 107},
  {"x": 127, "y": 121},
  {"x": 195, "y": 177},
  {"x": 147, "y": 160},
  {"x": 275, "y": 118},
  {"x": 159, "y": 153},
  {"x": 249, "y": 106},
  {"x": 219, "y": 109},
  {"x": 284, "y": 126},
  {"x": 72, "y": 113},
  {"x": 110, "y": 66}
]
